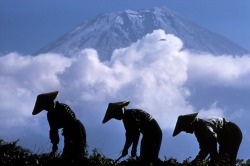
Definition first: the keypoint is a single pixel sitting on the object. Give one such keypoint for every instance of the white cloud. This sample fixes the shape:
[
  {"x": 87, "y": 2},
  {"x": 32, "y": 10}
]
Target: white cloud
[
  {"x": 150, "y": 73},
  {"x": 213, "y": 111},
  {"x": 21, "y": 78},
  {"x": 222, "y": 70}
]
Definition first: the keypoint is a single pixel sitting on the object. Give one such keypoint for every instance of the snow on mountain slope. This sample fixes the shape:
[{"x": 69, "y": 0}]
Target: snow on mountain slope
[{"x": 107, "y": 32}]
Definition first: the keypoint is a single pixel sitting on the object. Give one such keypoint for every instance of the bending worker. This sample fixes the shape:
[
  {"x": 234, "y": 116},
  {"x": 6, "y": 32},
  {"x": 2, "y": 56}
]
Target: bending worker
[
  {"x": 61, "y": 116},
  {"x": 135, "y": 122},
  {"x": 209, "y": 132}
]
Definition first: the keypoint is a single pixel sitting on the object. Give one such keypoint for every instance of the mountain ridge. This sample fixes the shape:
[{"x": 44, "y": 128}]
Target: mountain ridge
[{"x": 107, "y": 32}]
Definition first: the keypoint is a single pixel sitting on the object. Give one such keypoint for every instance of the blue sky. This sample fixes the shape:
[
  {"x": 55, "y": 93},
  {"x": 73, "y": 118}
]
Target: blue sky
[
  {"x": 28, "y": 25},
  {"x": 210, "y": 85}
]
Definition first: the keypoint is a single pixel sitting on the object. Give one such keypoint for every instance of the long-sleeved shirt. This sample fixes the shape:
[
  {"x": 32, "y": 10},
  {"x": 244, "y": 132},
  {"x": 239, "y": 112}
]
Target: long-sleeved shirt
[
  {"x": 135, "y": 122},
  {"x": 61, "y": 117},
  {"x": 207, "y": 132}
]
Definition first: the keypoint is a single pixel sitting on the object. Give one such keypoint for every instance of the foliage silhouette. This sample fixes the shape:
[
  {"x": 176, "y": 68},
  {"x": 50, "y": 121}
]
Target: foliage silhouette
[{"x": 13, "y": 155}]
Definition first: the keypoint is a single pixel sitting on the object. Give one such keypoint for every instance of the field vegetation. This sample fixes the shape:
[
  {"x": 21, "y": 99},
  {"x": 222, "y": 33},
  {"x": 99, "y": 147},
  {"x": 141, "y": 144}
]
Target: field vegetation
[{"x": 12, "y": 154}]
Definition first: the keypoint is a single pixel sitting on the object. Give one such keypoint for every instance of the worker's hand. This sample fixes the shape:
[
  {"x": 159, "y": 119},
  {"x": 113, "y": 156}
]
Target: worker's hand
[
  {"x": 54, "y": 148},
  {"x": 124, "y": 152}
]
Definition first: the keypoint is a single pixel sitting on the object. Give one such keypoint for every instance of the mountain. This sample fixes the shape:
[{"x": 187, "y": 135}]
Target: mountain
[{"x": 107, "y": 32}]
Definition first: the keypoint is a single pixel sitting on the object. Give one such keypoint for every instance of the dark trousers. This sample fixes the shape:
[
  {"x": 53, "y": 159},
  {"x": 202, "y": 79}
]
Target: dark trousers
[
  {"x": 229, "y": 140},
  {"x": 74, "y": 141},
  {"x": 151, "y": 142}
]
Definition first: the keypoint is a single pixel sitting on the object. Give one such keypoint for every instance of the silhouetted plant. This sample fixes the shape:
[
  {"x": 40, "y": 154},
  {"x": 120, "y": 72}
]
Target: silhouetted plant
[
  {"x": 97, "y": 159},
  {"x": 13, "y": 155}
]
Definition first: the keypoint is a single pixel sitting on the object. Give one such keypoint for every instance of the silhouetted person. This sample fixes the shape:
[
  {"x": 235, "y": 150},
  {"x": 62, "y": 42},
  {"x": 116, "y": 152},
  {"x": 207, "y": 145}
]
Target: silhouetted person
[
  {"x": 135, "y": 122},
  {"x": 209, "y": 132},
  {"x": 61, "y": 116}
]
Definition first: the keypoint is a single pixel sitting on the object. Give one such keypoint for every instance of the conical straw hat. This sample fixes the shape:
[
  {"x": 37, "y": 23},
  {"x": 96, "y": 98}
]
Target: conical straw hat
[
  {"x": 111, "y": 110},
  {"x": 183, "y": 121},
  {"x": 42, "y": 99}
]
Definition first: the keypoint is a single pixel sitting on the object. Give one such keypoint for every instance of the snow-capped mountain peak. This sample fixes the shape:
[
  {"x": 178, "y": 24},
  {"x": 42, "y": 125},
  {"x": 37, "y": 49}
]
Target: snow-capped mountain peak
[{"x": 107, "y": 32}]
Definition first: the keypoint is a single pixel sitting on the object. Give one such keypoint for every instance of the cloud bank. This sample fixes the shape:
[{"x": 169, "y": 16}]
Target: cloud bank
[{"x": 153, "y": 74}]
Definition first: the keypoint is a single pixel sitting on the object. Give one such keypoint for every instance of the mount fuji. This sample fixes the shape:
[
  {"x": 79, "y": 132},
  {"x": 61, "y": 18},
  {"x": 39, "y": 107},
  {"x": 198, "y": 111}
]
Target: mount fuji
[{"x": 107, "y": 32}]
